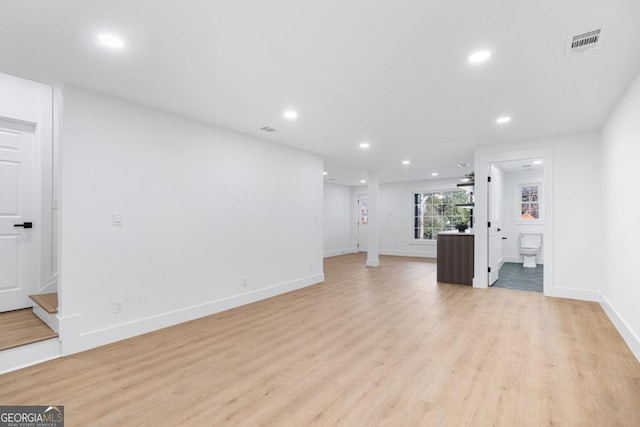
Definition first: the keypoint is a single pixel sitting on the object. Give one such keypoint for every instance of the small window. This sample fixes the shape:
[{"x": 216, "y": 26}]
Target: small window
[
  {"x": 438, "y": 211},
  {"x": 529, "y": 203}
]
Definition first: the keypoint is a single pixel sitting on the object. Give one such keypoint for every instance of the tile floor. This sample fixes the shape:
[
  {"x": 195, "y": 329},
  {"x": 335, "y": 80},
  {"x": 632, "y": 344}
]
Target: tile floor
[{"x": 515, "y": 276}]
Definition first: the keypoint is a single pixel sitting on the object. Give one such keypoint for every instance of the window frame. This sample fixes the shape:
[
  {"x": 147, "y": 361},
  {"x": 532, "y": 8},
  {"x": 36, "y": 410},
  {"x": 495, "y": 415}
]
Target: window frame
[
  {"x": 518, "y": 186},
  {"x": 417, "y": 214}
]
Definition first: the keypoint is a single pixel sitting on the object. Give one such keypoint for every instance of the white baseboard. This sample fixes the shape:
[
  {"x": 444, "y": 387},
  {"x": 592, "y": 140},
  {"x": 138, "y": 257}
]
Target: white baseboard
[
  {"x": 572, "y": 293},
  {"x": 339, "y": 252},
  {"x": 421, "y": 254},
  {"x": 480, "y": 282},
  {"x": 27, "y": 355},
  {"x": 632, "y": 340},
  {"x": 48, "y": 318},
  {"x": 373, "y": 263},
  {"x": 73, "y": 340}
]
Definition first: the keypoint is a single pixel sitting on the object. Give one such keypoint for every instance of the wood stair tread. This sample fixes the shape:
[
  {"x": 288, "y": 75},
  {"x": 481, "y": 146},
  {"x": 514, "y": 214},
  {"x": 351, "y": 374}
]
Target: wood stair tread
[
  {"x": 22, "y": 327},
  {"x": 49, "y": 302}
]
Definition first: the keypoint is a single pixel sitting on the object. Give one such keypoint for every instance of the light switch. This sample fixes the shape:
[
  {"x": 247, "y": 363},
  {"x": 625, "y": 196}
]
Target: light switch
[{"x": 117, "y": 219}]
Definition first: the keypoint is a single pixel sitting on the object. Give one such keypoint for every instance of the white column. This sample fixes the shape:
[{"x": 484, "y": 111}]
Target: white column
[{"x": 373, "y": 244}]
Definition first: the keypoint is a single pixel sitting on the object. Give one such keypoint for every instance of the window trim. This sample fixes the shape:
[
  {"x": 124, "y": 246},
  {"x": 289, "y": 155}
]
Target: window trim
[
  {"x": 518, "y": 201},
  {"x": 417, "y": 240}
]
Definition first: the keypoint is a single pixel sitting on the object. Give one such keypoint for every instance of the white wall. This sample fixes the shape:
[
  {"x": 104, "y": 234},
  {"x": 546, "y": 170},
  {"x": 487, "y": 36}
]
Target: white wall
[
  {"x": 620, "y": 231},
  {"x": 202, "y": 209},
  {"x": 511, "y": 229},
  {"x": 573, "y": 179},
  {"x": 337, "y": 226},
  {"x": 577, "y": 242},
  {"x": 397, "y": 217}
]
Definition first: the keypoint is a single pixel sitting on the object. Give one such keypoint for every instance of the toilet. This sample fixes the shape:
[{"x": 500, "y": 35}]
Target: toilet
[{"x": 530, "y": 244}]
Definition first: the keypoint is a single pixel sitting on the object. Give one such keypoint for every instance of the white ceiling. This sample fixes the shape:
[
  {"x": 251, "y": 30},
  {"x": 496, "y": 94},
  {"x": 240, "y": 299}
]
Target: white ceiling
[
  {"x": 517, "y": 166},
  {"x": 391, "y": 73}
]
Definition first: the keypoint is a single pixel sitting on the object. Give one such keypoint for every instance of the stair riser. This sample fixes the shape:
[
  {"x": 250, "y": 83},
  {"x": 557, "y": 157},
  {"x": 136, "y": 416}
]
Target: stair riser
[
  {"x": 50, "y": 319},
  {"x": 30, "y": 354}
]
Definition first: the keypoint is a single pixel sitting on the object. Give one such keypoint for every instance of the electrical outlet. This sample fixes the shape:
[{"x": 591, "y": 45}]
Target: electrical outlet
[
  {"x": 245, "y": 281},
  {"x": 116, "y": 219},
  {"x": 118, "y": 306}
]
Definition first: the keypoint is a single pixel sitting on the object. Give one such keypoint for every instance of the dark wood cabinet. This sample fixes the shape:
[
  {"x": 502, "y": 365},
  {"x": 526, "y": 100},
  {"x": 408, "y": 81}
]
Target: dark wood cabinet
[{"x": 455, "y": 258}]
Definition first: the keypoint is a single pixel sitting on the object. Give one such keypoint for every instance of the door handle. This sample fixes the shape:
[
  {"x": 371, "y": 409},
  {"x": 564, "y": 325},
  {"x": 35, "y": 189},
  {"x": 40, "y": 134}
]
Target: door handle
[
  {"x": 25, "y": 225},
  {"x": 504, "y": 238}
]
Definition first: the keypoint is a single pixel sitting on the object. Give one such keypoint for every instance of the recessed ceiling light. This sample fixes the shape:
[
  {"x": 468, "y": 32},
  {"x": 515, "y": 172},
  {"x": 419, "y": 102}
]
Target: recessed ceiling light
[
  {"x": 290, "y": 115},
  {"x": 465, "y": 179},
  {"x": 537, "y": 162},
  {"x": 434, "y": 174},
  {"x": 325, "y": 173},
  {"x": 406, "y": 162},
  {"x": 363, "y": 181},
  {"x": 479, "y": 56},
  {"x": 111, "y": 40},
  {"x": 365, "y": 145},
  {"x": 463, "y": 165},
  {"x": 503, "y": 120}
]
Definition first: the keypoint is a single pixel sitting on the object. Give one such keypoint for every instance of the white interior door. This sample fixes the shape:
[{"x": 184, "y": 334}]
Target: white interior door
[
  {"x": 17, "y": 248},
  {"x": 363, "y": 222},
  {"x": 496, "y": 250}
]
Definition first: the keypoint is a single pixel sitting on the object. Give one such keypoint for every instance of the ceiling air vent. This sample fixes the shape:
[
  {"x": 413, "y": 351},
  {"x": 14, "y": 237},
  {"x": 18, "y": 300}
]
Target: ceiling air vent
[
  {"x": 585, "y": 41},
  {"x": 267, "y": 129}
]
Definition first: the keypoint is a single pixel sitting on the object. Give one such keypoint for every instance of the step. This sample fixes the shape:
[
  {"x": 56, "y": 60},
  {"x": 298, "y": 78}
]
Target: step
[
  {"x": 22, "y": 327},
  {"x": 50, "y": 319},
  {"x": 30, "y": 354},
  {"x": 49, "y": 302}
]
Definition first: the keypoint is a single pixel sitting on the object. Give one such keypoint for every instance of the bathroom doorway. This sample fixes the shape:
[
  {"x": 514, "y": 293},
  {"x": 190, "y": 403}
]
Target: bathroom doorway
[{"x": 516, "y": 225}]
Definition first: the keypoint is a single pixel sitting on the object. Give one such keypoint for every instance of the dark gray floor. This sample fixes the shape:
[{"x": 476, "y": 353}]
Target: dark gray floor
[{"x": 515, "y": 276}]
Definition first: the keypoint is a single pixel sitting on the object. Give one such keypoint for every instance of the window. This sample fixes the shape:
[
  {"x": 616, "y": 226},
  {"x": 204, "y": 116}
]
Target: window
[
  {"x": 437, "y": 211},
  {"x": 529, "y": 202},
  {"x": 364, "y": 211}
]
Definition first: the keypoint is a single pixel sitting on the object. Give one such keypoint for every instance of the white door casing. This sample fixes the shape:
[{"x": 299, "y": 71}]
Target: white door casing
[
  {"x": 363, "y": 221},
  {"x": 17, "y": 206}
]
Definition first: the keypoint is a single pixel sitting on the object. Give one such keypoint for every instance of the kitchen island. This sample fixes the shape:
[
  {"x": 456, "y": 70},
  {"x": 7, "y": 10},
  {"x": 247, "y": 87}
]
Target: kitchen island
[{"x": 455, "y": 257}]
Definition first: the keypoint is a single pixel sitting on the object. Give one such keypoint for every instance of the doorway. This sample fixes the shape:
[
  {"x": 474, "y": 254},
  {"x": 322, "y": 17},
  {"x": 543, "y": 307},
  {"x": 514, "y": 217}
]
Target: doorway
[
  {"x": 363, "y": 222},
  {"x": 516, "y": 225},
  {"x": 29, "y": 200},
  {"x": 17, "y": 213}
]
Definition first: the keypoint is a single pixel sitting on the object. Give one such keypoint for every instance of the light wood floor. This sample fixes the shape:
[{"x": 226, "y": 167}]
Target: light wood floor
[
  {"x": 370, "y": 346},
  {"x": 22, "y": 327},
  {"x": 49, "y": 302}
]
